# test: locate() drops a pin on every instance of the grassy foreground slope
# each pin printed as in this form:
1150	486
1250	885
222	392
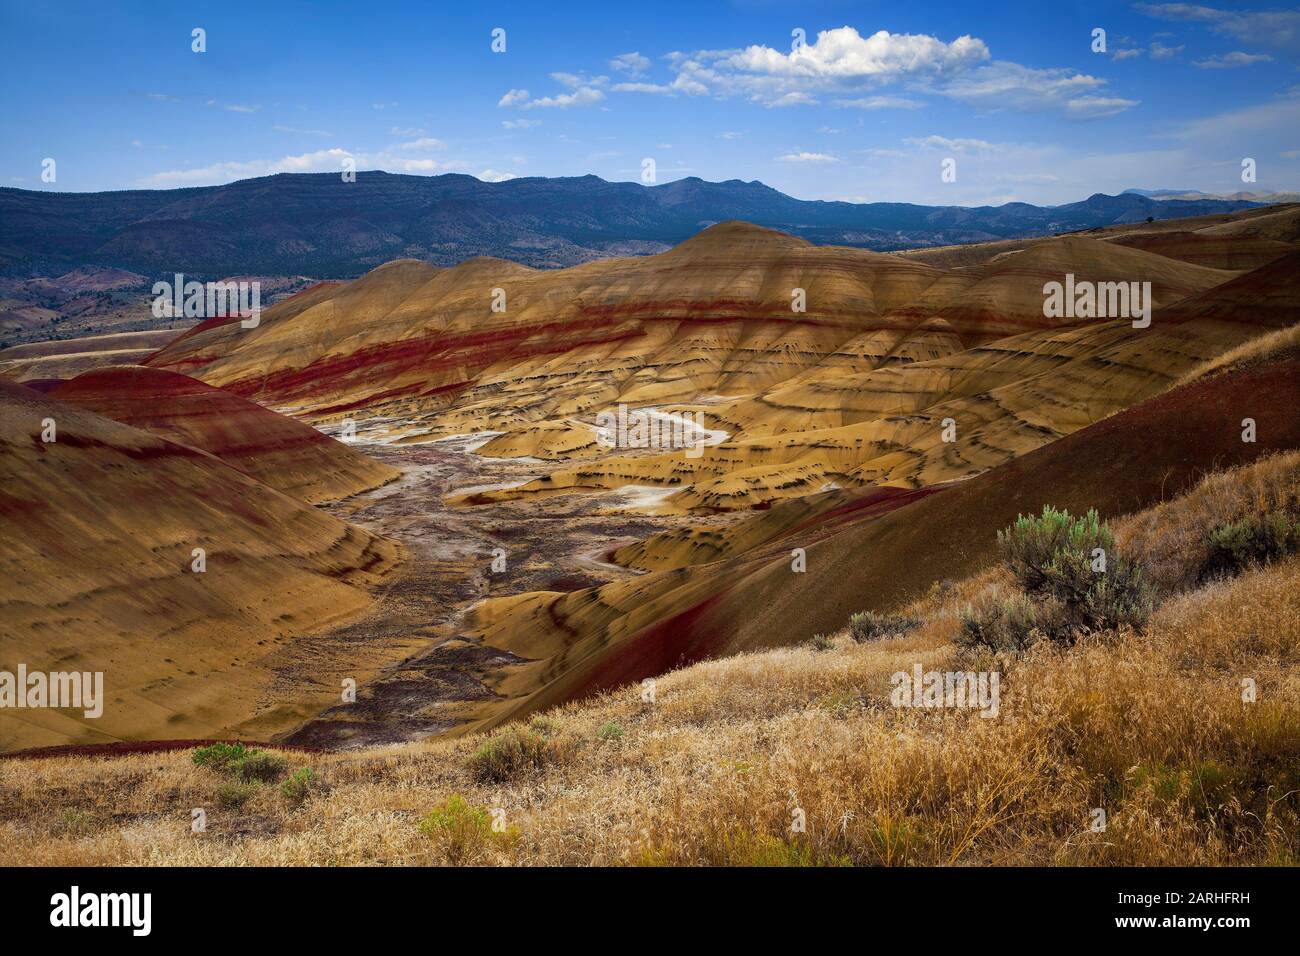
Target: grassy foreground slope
1150	727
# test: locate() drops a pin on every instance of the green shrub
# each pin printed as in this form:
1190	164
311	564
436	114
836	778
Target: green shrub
462	831
219	756
258	765
870	626
298	784
1255	539
1001	624
820	642
514	751
1052	558
609	731
240	762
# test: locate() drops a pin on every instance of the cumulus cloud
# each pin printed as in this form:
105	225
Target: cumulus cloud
852	69
1161	52
495	176
513	98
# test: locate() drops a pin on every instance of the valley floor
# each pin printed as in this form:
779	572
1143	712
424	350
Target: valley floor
456	556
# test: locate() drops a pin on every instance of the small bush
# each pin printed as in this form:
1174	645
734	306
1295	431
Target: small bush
258	765
609	731
240	762
233	794
1255	539
1001	624
298	785
1052	558
820	642
870	626
514	751
463	831
219	756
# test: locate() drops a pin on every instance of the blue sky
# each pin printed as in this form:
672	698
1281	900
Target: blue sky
867	110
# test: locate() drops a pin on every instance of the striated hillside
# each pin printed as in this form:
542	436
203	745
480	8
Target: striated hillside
279	451
98	574
853	391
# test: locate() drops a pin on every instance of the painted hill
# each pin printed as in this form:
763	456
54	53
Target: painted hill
869	554
279	451
97	574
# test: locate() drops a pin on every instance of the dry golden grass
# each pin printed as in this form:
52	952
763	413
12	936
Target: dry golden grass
1150	727
1171	539
1258	349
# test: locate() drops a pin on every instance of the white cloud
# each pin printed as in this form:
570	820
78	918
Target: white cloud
583	96
806	157
242	108
1097	107
319	161
513	98
494	176
633	64
1161	52
845	53
881	103
950	145
1232	61
298	131
1277	29
1127	54
730	134
793	98
853	69
424	142
520	123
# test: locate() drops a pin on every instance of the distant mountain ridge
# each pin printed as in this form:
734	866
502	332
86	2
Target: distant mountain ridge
316	224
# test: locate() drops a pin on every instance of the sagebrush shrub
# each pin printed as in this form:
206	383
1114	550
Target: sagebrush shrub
1255	539
870	626
1073	561
1002	624
514	751
463	831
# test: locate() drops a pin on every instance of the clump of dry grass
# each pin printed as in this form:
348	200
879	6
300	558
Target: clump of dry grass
796	757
